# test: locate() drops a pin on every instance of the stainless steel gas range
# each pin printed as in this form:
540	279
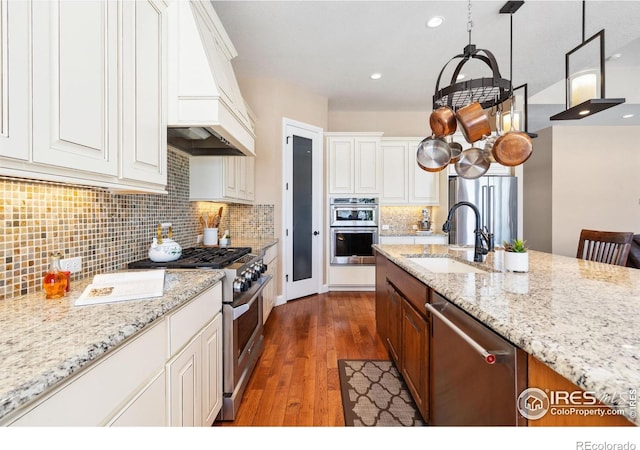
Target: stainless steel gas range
242	327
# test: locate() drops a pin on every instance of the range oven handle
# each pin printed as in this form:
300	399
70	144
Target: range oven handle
489	358
243	308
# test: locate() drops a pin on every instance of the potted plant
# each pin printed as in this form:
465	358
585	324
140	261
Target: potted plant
516	258
226	239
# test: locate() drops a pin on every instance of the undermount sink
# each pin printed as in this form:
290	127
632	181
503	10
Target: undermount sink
446	265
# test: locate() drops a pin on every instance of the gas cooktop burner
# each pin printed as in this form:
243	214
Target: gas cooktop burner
197	257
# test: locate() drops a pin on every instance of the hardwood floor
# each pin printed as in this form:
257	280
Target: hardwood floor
296	380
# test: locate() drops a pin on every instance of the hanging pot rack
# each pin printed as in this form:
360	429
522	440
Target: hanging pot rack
488	91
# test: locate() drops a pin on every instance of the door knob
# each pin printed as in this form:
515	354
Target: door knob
315	233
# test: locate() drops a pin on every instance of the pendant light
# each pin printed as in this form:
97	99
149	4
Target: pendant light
582	84
488	91
516	119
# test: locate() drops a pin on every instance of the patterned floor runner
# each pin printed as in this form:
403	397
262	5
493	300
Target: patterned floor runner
374	395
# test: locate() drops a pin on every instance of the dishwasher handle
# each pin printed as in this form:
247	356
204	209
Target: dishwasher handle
489	357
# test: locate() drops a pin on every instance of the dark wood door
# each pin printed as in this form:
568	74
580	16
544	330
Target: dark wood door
415	356
394	337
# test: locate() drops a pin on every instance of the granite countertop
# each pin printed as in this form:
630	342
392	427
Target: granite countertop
387	233
44	341
578	317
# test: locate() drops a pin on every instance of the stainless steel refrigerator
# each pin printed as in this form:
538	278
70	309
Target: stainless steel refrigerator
497	200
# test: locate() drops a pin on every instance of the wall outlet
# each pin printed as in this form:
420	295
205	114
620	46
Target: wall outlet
199	239
385	227
72	265
414	227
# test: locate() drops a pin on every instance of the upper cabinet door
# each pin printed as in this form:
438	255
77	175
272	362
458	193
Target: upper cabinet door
368	171
144	93
14	86
341	156
75	83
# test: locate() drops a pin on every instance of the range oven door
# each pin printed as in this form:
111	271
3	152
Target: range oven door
242	346
352	245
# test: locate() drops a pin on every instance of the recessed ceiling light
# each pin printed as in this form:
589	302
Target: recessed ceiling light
627	116
376	76
435	21
584	112
614	56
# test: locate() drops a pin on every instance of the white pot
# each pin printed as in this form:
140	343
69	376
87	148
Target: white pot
516	262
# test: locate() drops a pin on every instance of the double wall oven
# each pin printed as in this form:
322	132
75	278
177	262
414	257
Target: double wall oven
354	229
242	326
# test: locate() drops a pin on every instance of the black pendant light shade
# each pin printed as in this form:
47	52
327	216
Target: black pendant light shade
578	104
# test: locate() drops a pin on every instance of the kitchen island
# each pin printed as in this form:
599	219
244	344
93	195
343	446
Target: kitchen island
578	318
45	343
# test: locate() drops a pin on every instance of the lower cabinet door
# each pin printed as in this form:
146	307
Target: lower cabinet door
184	380
146	410
394	330
415	356
212	370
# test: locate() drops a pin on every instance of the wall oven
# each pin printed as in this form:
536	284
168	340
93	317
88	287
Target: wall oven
354	229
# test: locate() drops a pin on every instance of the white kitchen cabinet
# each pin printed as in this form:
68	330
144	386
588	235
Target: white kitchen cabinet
211	370
222	178
194	372
147	409
94	88
185	380
270	291
403	181
15	26
354	163
169	374
143	155
92	397
75	85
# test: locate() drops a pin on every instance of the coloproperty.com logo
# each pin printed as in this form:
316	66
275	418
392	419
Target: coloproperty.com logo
534	403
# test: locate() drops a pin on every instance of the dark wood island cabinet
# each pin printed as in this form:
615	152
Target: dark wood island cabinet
401	322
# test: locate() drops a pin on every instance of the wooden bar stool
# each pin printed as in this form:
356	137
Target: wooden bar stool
609	247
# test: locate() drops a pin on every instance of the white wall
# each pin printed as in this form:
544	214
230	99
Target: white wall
270	100
595	183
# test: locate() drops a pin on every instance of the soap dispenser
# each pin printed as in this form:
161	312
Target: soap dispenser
55	280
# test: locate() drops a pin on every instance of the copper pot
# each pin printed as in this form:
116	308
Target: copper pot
443	122
433	154
474	122
512	148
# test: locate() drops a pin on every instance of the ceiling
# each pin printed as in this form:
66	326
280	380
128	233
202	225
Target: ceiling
332	47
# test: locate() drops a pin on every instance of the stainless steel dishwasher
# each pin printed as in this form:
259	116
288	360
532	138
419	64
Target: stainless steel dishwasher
476	375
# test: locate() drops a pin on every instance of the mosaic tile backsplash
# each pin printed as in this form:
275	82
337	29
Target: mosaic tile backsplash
106	230
401	219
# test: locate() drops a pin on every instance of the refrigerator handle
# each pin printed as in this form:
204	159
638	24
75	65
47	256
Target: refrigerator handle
485	206
490	209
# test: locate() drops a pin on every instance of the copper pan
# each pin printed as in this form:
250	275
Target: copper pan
512	148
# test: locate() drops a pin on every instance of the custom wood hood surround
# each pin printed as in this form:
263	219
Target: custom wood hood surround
207	114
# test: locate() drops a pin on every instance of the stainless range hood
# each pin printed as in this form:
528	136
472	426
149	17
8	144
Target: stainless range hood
200	141
206	112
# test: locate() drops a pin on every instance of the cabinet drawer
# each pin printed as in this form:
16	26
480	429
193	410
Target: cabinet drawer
186	322
93	396
411	288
